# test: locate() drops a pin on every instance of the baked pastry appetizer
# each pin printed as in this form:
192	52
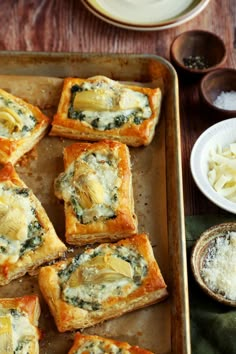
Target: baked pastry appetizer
102	283
100	108
18	325
97	189
27	237
85	343
22	125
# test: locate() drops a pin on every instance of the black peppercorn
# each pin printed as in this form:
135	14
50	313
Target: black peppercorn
196	62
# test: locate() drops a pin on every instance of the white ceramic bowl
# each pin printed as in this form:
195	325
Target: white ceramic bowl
222	133
146	15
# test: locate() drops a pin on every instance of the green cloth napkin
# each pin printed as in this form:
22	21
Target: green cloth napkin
213	325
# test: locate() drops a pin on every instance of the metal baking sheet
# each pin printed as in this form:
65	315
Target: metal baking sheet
157	180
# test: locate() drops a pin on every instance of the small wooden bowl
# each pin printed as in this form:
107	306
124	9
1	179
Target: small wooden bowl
214	83
198	43
199	253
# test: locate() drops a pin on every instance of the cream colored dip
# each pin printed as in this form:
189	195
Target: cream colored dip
143	12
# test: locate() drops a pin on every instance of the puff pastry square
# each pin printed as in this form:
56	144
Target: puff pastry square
102	283
22	125
18	325
27	237
100	108
97	189
85	343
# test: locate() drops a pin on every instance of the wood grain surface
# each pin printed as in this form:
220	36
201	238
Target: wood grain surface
60	25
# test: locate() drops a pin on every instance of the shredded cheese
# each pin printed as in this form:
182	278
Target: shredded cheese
222	171
219	268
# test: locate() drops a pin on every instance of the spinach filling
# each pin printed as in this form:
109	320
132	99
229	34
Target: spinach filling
118	120
77	208
81	299
34	237
89	306
72	113
65	274
31	243
23	342
77	115
76	88
79	213
21	346
65	183
62	183
32	234
15	313
5	244
33	119
138	120
22	191
136	260
11	104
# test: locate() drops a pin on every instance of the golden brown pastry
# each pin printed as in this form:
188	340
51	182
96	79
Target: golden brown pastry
102	283
85	343
100	108
97	189
22	125
27	237
18	325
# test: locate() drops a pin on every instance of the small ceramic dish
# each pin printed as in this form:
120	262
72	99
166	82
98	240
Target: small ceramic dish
217	83
220	134
210	269
198	51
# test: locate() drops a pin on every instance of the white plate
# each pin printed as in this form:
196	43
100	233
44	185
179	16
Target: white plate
146	15
222	133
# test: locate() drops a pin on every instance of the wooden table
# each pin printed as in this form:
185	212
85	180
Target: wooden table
33	25
66	26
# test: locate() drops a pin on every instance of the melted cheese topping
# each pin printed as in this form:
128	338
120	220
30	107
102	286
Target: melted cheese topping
106	106
19	334
99	347
17	218
16	120
90	185
95	276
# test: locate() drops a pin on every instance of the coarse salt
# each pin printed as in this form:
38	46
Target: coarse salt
226	100
219	268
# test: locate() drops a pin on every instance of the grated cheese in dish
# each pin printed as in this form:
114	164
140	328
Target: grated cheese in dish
219	268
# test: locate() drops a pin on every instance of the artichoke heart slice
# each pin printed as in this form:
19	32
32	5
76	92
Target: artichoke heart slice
88	188
10	119
108	100
82	168
101	269
119	265
6	336
3	209
13	224
94	100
